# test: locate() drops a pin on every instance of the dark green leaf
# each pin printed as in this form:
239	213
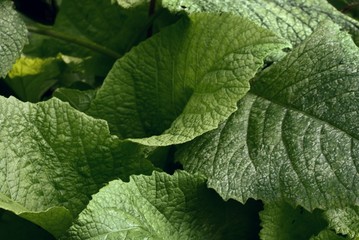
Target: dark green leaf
283	222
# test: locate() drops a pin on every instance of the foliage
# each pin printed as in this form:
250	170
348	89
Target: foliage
180	120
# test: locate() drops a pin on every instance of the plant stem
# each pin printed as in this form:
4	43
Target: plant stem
48	31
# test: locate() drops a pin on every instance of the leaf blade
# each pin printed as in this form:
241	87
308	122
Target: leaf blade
162	206
55	157
294	20
13	36
185	80
286	145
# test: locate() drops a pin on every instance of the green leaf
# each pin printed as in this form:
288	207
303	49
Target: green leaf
283	222
80	100
294	20
328	235
185	80
30	78
103	22
12	36
55	219
162	206
344	221
54	157
295	136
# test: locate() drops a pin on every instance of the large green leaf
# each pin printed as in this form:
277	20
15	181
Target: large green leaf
185	80
162	206
53	158
12	36
280	221
295	136
293	19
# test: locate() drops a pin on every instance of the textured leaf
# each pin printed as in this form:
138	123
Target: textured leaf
328	235
294	19
185	80
80	100
283	222
12	36
54	157
30	78
295	136
344	221
162	206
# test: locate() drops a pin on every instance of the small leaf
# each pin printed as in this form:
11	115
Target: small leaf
162	206
30	78
295	136
53	158
185	80
13	36
81	100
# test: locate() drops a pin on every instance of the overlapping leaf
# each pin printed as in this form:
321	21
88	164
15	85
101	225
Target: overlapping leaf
162	206
53	158
81	100
295	135
30	78
185	80
12	36
283	222
293	20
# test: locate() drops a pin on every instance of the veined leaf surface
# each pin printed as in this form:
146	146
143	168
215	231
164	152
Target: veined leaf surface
185	80
53	158
292	19
12	36
162	206
295	136
344	221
